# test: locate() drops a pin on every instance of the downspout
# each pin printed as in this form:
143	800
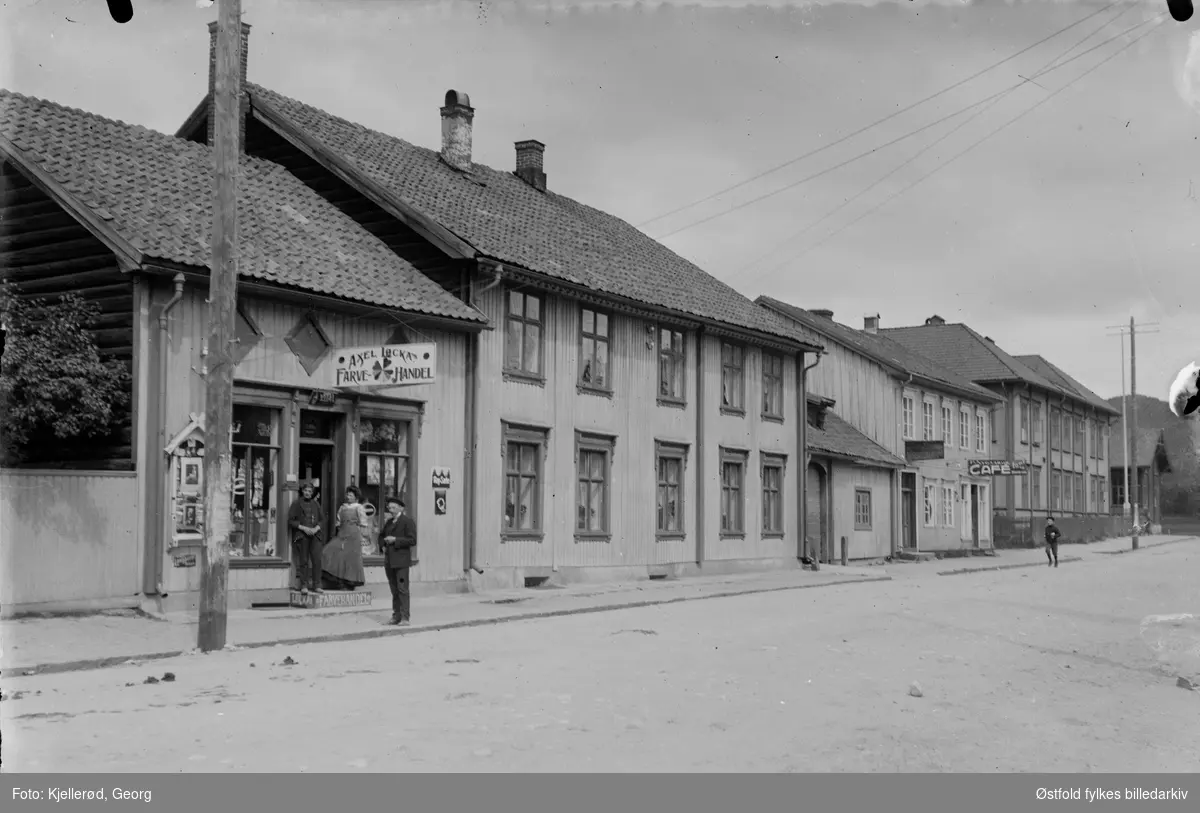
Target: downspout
1029	477
470	453
805	455
915	525
160	490
701	449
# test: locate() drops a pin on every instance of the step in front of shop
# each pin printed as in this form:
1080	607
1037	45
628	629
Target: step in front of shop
331	598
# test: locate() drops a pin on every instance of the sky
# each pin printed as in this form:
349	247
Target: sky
1049	206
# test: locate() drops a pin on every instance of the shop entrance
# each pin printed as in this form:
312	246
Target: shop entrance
315	461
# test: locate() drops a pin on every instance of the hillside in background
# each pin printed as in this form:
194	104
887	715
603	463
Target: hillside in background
1181	487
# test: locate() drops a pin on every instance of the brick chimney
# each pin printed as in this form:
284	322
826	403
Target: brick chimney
935	320
529	164
212	81
871	324
823	313
457	116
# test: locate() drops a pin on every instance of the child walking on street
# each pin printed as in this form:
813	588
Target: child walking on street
1052	535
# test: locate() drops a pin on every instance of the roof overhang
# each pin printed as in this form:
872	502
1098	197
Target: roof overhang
301	298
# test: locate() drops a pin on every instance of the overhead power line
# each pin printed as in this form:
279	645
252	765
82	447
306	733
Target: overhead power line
883	120
1053	64
990	135
897	140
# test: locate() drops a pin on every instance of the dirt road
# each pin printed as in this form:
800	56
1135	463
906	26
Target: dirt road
1023	670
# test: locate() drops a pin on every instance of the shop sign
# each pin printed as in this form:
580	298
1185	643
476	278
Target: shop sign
997	468
441	477
387	365
439	501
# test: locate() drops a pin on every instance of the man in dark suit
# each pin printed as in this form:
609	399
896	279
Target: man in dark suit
398	539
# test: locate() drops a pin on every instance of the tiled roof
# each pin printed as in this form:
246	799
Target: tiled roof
155	192
883	350
504	218
1148	444
963	350
1042	367
842	440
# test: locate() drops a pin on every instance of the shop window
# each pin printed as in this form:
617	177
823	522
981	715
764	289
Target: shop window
255	463
383	470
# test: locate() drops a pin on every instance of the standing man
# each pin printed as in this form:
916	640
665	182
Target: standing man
306	520
1052	535
398	539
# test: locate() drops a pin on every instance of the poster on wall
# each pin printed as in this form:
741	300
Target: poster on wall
385	365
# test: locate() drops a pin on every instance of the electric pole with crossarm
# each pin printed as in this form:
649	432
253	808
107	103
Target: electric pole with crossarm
1130	423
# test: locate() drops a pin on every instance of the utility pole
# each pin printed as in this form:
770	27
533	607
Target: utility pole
222	310
1131	434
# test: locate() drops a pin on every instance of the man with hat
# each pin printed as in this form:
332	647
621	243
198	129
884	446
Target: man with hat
398	539
306	520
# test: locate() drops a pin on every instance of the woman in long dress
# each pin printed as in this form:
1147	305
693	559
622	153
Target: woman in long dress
342	557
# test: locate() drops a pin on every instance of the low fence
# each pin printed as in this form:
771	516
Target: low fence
1022	532
67	538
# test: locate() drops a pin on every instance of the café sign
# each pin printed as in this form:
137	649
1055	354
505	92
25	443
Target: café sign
385	365
997	468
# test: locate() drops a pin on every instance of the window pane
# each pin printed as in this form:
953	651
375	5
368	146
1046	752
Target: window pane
602	324
516	303
254	424
598	461
528	453
512	346
379	435
587	356
596	507
533	349
512	488
601	369
527	503
589	321
673	467
581	498
533	308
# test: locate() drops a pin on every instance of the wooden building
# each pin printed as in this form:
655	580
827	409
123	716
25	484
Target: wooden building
600	407
931	423
1050	430
1152	463
123	215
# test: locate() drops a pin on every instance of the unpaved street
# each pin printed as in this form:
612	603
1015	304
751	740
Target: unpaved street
1021	670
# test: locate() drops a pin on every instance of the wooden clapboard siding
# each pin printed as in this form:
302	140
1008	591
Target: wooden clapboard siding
754	435
634	417
46	253
271	364
873	543
67	537
865	392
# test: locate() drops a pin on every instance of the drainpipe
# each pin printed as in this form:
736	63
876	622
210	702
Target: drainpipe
915	524
804	453
160	489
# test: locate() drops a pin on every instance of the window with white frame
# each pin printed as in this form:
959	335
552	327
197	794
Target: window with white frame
1037	421
980	432
772	386
1036	477
1081	425
862	509
1079	503
594	350
524	335
1068	434
672	361
593	473
947	424
524	453
733	492
927	420
733	378
964	428
671	462
772	495
948	506
930	505
1024	420
909	417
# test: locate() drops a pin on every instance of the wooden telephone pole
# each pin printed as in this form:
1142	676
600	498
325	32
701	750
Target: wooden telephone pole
222	310
1131	446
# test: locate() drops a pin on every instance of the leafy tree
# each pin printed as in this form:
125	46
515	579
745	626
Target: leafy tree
54	386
